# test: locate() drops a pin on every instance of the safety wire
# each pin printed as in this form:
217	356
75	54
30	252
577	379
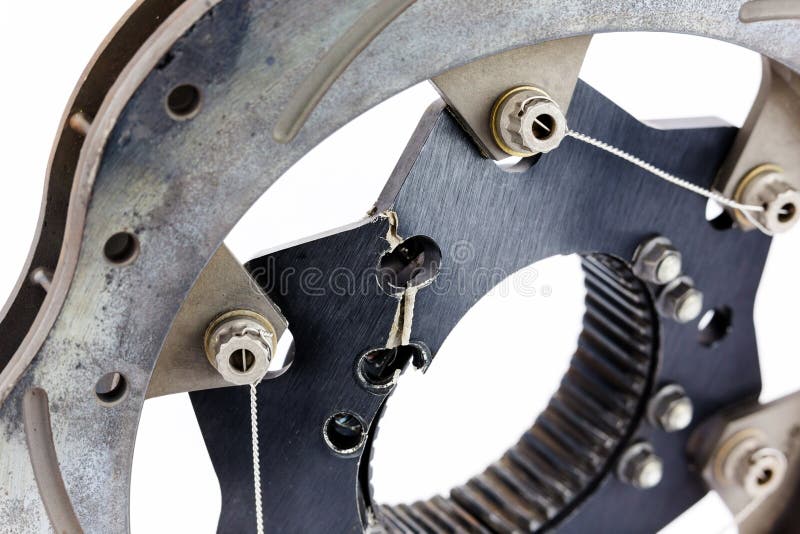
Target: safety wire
256	457
671	178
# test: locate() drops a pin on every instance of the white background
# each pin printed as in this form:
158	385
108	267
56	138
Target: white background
45	46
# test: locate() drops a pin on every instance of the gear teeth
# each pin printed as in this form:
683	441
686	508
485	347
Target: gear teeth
574	441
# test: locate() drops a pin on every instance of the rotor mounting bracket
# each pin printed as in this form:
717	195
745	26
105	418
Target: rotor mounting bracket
470	91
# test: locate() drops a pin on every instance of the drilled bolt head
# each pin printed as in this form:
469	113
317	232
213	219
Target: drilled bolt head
769	187
240	346
756	468
670	408
526	121
657	261
640	467
680	301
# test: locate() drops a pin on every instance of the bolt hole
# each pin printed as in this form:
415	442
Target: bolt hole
544	126
377	369
183	102
717	217
242	360
764	477
121	248
344	433
111	388
714	326
786	213
413	263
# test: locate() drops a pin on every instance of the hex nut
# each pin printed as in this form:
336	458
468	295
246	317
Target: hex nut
657	261
670	408
640	467
526	121
680	301
240	345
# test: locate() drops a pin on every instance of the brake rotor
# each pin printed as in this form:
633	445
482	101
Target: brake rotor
192	110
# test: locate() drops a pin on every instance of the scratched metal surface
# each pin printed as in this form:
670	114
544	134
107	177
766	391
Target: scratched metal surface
575	200
182	186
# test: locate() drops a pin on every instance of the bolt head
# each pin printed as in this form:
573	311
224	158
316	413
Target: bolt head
657	261
669	268
650	473
680	301
640	466
781	201
526	122
240	346
689	307
670	408
677	415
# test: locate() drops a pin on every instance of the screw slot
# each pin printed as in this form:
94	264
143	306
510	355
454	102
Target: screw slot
183	102
344	433
111	388
121	248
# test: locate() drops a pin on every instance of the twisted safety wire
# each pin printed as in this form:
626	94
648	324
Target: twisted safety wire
256	458
664	175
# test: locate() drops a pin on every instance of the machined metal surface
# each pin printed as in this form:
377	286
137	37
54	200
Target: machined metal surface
138	171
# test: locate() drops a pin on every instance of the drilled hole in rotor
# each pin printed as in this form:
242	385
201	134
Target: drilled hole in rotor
121	248
241	360
787	213
544	126
714	326
344	433
111	388
183	101
413	263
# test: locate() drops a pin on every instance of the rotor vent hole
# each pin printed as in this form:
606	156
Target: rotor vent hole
242	360
714	326
344	433
183	102
544	126
111	388
121	248
413	263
